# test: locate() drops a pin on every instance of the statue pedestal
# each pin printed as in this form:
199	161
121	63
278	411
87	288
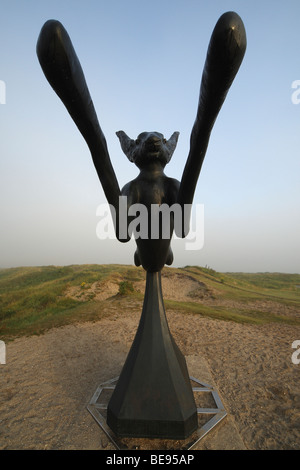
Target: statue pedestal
210	411
153	397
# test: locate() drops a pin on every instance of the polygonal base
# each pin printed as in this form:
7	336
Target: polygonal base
156	429
204	395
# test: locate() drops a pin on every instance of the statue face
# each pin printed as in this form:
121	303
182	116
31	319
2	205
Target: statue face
148	147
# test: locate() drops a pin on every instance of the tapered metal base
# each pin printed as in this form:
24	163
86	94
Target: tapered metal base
210	411
153	397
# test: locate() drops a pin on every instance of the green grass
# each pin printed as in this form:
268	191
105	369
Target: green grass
126	287
32	299
230	314
248	286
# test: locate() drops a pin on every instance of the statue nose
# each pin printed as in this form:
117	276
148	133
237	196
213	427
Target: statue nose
153	140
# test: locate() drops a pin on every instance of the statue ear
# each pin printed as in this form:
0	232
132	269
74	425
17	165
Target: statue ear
127	144
171	144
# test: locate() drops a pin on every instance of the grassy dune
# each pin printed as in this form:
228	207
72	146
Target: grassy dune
33	299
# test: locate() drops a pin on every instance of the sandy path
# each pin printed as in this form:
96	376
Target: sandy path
48	380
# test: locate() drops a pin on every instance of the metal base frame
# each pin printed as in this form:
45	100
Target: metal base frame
98	407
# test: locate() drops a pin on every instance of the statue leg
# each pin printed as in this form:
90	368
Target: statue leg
170	257
137	259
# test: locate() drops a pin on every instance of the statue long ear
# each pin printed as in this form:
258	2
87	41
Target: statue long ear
171	144
63	71
127	144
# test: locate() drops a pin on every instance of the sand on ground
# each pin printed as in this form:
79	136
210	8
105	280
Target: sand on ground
48	380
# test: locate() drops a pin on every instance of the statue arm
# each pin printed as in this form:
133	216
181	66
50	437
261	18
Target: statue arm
62	69
224	57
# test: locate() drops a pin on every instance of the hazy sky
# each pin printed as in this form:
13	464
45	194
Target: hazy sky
143	62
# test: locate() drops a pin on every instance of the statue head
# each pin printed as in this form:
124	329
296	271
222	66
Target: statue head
148	147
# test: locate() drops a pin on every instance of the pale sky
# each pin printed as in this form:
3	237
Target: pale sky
143	63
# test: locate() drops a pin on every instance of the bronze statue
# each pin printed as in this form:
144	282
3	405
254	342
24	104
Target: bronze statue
153	396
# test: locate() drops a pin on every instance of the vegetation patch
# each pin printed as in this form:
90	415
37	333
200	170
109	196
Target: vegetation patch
34	299
126	288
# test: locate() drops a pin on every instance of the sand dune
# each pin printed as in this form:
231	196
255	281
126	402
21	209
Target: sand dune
49	379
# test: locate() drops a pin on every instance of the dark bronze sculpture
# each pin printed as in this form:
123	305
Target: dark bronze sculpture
153	396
